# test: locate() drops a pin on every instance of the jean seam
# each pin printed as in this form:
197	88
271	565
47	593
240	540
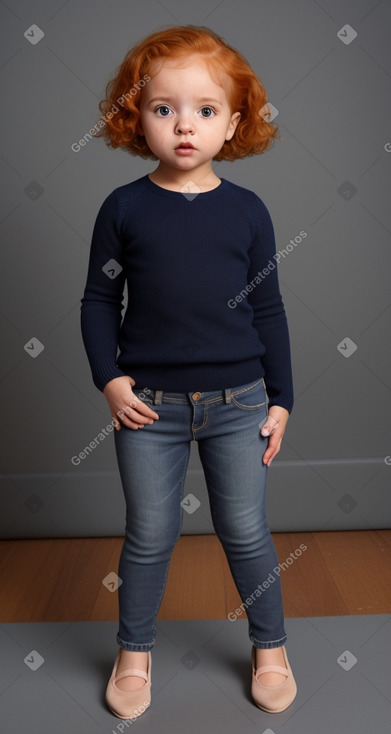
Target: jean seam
249	387
248	407
282	639
136	644
194	430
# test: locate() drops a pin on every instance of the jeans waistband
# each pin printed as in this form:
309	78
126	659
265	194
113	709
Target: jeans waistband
156	396
225	394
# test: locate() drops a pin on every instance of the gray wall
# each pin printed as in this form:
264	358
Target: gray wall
329	177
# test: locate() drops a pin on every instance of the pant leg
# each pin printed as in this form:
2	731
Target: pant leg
231	449
152	462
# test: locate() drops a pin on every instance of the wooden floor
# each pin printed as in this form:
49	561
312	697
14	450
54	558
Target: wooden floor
55	580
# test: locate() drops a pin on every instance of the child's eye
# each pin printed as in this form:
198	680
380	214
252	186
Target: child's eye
207	108
162	107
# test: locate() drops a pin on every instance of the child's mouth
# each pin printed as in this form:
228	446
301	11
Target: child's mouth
184	150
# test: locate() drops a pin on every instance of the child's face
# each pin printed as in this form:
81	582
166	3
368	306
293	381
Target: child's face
183	104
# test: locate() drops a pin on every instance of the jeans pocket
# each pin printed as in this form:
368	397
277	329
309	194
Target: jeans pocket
251	397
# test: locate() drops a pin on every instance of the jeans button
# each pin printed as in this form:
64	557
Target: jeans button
196	395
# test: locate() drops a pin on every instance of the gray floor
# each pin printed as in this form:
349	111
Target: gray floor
53	678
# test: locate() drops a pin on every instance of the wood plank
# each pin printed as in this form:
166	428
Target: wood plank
308	586
194	587
360	567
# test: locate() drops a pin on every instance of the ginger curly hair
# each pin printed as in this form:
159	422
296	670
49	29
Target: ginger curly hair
119	124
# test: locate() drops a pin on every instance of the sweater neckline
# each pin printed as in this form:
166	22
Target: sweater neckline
178	194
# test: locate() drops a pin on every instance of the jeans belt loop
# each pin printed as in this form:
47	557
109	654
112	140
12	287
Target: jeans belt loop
227	395
158	397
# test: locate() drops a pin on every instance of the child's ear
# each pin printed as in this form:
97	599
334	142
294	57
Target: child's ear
233	125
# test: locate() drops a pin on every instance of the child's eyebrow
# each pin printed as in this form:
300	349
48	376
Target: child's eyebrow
203	99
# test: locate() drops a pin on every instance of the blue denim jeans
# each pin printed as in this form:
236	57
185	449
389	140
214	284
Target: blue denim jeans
152	463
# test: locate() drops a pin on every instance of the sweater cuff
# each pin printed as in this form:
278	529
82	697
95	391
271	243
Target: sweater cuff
283	400
103	373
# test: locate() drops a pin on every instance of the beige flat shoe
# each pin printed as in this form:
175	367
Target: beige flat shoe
273	699
129	704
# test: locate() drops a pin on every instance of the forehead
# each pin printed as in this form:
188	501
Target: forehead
171	71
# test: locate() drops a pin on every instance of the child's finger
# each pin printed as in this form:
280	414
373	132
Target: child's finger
270	426
143	408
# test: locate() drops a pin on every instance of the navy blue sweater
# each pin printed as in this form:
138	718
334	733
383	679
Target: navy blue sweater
204	308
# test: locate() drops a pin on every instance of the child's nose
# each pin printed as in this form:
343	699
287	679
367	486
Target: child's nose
185	125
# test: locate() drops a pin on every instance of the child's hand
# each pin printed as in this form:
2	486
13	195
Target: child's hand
125	406
275	428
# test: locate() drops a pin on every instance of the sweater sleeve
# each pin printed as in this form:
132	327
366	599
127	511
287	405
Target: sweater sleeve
269	312
102	302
